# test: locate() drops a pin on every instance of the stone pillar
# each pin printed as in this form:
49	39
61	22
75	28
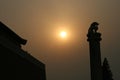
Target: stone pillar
94	39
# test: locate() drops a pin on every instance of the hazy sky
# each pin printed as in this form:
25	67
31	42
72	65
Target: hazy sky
39	21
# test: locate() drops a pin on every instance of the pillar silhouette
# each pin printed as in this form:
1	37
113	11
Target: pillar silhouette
94	39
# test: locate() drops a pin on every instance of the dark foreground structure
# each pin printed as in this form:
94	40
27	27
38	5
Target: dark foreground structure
99	71
15	63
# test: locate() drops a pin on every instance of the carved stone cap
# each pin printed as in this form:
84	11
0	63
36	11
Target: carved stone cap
94	37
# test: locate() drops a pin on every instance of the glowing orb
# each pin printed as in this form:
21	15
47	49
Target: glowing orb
63	34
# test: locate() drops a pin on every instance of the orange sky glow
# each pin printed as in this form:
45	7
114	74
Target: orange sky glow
41	22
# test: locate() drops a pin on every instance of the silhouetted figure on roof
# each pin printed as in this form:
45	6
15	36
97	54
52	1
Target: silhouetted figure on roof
107	74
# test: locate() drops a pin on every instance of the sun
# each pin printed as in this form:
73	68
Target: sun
63	34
